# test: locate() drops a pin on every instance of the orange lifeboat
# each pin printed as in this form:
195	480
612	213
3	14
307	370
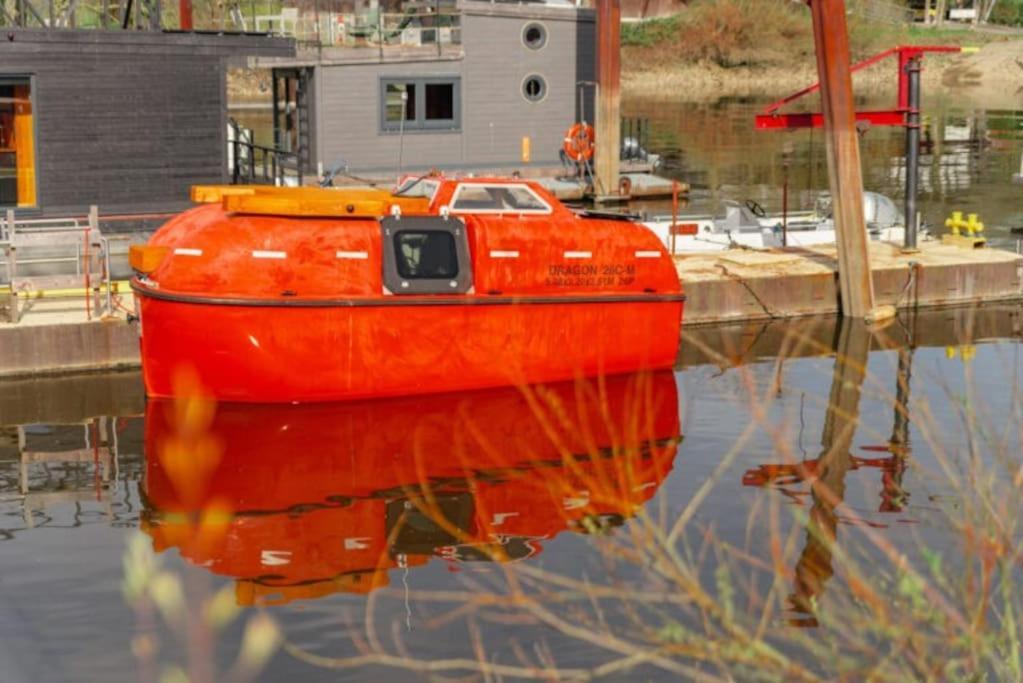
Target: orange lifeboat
310	294
299	501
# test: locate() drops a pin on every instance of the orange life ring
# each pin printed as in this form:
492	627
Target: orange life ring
578	144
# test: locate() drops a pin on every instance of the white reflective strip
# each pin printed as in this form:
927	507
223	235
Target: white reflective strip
499	517
353	254
269	254
582	500
503	254
188	252
274	558
648	254
578	254
357	543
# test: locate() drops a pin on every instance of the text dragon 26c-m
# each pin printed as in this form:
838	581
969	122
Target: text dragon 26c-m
310	294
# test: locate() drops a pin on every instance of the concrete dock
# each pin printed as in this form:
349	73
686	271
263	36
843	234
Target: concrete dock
744	284
735	286
54	337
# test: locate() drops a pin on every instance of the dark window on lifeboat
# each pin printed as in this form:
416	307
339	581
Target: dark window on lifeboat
410	104
425	255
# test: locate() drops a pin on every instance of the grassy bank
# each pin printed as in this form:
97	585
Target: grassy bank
722	48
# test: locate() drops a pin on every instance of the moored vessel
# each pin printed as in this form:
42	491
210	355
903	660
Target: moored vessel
310	294
749	226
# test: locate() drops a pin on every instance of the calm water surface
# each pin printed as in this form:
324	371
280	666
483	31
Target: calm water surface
405	528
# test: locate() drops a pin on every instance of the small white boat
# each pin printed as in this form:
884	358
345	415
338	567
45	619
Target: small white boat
748	225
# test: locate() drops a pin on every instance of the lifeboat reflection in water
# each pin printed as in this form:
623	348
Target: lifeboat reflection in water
307	500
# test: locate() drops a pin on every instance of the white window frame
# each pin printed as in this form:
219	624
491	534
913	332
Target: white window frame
425	182
546	35
420	124
546	211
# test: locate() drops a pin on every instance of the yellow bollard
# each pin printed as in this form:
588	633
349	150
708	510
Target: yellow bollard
955	222
965	351
972	226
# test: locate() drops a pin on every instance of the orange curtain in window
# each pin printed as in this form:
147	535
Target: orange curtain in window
24	146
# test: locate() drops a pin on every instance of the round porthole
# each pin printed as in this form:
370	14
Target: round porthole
534	35
534	88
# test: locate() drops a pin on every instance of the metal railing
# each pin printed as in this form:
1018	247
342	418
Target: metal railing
411	29
143	15
55	238
40	484
252	164
329	23
635	139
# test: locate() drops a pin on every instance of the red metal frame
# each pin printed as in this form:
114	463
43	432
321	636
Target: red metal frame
771	118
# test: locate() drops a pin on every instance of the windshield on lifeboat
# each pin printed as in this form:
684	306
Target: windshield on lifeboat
497	198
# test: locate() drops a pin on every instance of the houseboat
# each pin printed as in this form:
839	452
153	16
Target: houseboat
444	284
459	86
300	501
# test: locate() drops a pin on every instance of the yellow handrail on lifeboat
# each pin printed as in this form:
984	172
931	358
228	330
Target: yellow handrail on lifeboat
356	202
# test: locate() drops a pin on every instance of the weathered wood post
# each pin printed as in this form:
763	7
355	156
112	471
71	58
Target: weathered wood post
831	37
608	131
912	68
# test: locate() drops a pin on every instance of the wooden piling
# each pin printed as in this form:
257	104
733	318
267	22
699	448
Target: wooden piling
608	131
831	38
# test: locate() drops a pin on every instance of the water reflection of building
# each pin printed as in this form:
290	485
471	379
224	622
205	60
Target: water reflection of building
950	160
302	501
63	446
62	464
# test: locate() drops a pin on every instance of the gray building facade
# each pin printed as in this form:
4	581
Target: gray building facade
508	91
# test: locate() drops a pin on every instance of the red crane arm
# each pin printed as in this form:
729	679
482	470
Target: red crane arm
770	118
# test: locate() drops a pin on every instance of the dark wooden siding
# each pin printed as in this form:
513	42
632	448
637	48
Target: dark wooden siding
128	121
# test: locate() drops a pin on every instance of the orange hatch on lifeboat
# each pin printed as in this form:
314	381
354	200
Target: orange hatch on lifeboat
299	501
315	294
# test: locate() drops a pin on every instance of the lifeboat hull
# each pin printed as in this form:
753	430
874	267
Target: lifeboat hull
307	294
324	352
